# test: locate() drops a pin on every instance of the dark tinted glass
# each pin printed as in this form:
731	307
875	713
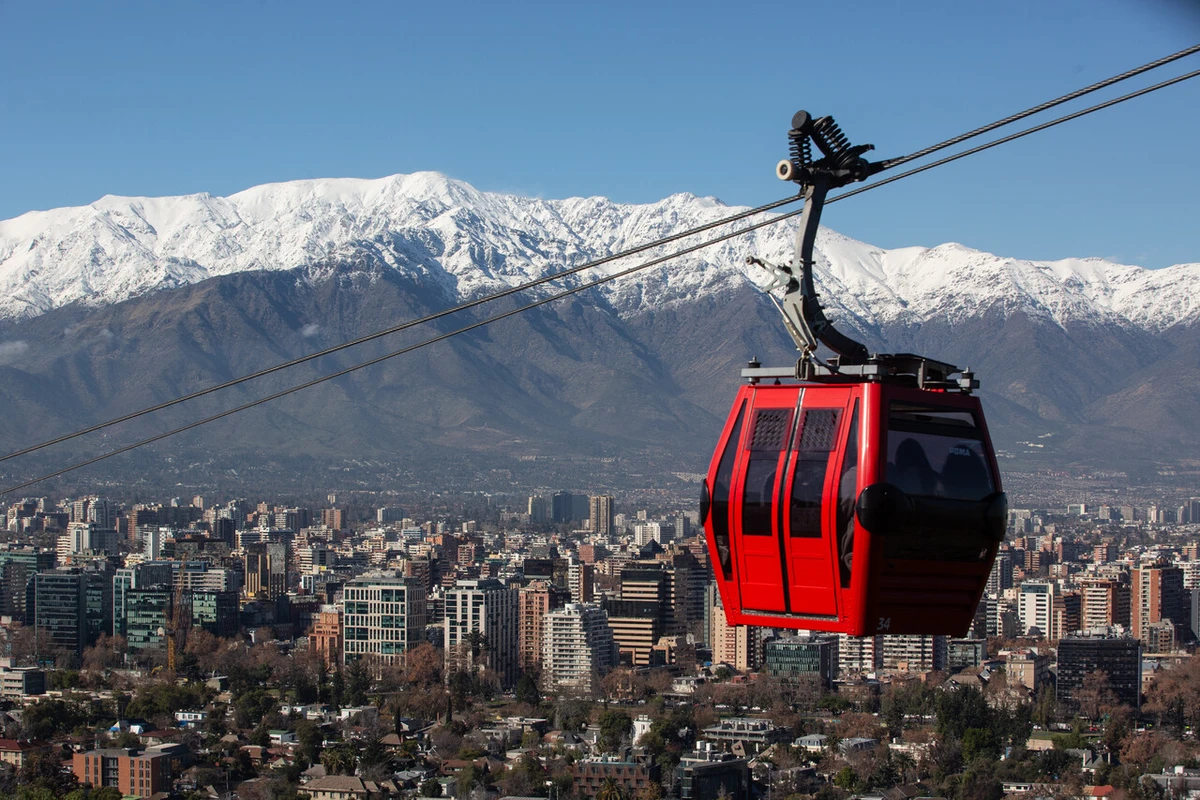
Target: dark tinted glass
818	429
719	518
937	453
769	437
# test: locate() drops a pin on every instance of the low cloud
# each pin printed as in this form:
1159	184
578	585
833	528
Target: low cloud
310	330
12	349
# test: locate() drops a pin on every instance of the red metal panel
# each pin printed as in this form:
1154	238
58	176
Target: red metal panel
756	495
812	560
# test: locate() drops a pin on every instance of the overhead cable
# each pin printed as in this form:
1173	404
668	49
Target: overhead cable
598	281
1066	98
889	163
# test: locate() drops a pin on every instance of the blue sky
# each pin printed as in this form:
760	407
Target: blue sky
633	101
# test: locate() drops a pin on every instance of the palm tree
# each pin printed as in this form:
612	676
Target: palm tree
610	790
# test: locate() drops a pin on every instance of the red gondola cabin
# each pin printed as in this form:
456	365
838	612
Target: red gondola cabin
857	508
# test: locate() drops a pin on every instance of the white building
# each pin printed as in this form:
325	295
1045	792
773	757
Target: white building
1035	607
577	647
859	654
644	532
492	609
383	616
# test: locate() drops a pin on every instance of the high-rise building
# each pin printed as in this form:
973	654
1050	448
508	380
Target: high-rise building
266	570
539	510
1120	659
964	653
147	575
581	580
1192	598
489	609
600	514
798	656
914	653
214	611
1066	617
326	636
1002	619
647	531
739	646
60	610
578	648
1104	603
333	518
636	627
651	582
1035	607
383	617
859	654
224	529
1000	578
17	566
147	615
1157	594
563	507
139	518
103	512
534	602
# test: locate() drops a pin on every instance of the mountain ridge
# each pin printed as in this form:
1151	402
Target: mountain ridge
1083	362
475	242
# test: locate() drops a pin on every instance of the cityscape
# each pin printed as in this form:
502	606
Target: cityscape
476	401
573	645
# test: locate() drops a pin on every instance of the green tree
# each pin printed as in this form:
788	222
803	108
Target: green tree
980	743
614	727
358	683
467	779
308	738
527	690
45	771
431	788
846	778
251	707
610	790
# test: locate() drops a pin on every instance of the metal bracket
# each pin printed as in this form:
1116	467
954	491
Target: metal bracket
841	164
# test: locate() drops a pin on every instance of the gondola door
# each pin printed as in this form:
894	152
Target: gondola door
759	548
810	508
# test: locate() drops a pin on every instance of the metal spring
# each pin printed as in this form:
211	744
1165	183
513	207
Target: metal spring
801	150
829	136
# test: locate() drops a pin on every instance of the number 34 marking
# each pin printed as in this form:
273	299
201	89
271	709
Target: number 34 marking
885	624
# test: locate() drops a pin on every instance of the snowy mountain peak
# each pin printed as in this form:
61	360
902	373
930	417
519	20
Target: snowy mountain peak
473	242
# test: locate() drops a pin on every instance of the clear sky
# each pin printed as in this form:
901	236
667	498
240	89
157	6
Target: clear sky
633	101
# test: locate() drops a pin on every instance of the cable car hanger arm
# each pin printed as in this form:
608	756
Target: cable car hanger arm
840	164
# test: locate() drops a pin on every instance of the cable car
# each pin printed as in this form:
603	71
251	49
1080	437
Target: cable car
862	495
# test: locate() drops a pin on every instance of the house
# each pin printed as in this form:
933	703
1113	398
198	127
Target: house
856	744
813	743
190	719
344	787
15	752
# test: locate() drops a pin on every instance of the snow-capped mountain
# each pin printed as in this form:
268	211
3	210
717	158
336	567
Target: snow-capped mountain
127	302
471	243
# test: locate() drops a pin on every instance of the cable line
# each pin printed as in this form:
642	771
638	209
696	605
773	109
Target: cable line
574	290
895	162
889	163
395	353
1011	137
404	326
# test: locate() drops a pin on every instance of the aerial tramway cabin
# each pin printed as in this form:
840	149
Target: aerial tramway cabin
859	508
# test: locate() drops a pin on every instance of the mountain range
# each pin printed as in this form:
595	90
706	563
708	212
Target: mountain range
127	302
